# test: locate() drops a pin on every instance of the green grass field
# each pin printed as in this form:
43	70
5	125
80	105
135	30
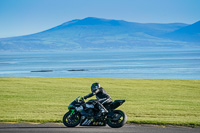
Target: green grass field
155	101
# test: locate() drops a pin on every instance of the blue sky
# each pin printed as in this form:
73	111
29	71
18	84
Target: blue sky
21	17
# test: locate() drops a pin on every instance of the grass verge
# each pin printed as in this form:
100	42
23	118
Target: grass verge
148	101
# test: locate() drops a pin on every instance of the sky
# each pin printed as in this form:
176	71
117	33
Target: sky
23	17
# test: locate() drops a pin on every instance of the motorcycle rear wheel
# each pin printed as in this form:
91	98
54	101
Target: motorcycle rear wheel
71	120
117	120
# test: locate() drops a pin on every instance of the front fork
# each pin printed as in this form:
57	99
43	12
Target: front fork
70	117
72	111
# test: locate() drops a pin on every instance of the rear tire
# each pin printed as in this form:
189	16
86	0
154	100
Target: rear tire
116	122
71	120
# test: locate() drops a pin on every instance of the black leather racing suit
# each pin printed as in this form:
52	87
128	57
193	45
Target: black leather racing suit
102	97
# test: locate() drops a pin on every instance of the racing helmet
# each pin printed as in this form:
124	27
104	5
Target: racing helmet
95	86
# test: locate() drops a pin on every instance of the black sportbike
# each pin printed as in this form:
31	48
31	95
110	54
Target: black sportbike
85	114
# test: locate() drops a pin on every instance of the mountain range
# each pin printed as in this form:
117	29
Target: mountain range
97	33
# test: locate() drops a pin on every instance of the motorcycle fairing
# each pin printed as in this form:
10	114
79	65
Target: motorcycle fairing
92	122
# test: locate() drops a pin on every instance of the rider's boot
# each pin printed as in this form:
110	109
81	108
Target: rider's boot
103	111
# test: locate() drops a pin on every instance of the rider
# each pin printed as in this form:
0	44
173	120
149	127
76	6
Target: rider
102	98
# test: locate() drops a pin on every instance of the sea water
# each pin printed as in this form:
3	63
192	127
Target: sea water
103	64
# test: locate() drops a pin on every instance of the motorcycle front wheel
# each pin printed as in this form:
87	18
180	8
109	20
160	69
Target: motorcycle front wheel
71	119
117	120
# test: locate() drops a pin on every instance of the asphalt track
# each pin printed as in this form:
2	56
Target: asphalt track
59	128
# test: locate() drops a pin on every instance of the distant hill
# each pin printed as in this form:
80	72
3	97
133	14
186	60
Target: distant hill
189	33
96	33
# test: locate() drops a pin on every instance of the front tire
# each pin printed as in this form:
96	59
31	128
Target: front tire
71	119
117	120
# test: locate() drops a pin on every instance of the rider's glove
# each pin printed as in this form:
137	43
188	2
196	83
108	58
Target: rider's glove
82	98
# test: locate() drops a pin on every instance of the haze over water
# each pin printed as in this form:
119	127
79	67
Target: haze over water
103	64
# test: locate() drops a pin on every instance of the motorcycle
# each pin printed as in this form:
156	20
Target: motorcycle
86	114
